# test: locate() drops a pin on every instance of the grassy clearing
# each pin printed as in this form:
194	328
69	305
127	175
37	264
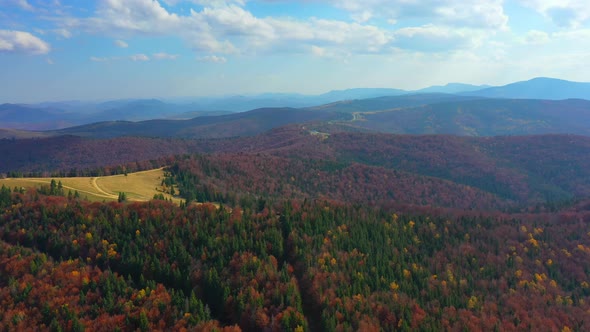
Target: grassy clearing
140	186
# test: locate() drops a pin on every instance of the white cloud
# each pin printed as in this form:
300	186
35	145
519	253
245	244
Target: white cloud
139	57
229	29
23	4
318	51
430	38
22	42
120	43
99	59
487	14
563	13
535	37
50	62
212	58
165	56
65	33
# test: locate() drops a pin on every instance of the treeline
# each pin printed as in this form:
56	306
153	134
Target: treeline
264	264
130	167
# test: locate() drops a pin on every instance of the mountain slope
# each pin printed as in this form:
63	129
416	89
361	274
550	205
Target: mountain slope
484	117
452	88
236	124
389	102
537	88
523	169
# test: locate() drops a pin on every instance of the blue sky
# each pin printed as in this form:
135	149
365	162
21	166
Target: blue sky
108	49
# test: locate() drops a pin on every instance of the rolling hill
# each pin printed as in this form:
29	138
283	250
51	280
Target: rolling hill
521	169
537	88
483	117
236	124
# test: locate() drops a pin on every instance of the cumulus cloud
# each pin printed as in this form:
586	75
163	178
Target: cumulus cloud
486	14
431	38
563	13
212	58
165	56
139	57
120	43
227	27
22	42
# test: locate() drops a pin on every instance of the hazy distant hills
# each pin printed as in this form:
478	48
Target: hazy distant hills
452	88
521	108
390	102
483	117
437	114
537	88
230	125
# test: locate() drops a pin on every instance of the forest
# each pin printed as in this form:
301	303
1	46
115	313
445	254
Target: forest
262	259
299	229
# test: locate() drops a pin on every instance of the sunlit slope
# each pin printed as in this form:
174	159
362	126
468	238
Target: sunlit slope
140	186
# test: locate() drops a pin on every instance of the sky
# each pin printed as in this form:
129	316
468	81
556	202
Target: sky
54	50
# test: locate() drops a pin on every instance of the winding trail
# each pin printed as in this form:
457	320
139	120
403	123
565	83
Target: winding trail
99	189
102	193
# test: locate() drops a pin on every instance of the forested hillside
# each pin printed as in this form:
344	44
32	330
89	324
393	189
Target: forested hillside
266	264
302	230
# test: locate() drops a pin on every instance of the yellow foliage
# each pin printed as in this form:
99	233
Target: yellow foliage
394	286
333	261
518	273
88	236
472	302
411	224
532	241
549	262
407	274
141	294
137	232
75	274
553	284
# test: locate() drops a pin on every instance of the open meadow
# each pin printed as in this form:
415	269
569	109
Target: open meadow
140	186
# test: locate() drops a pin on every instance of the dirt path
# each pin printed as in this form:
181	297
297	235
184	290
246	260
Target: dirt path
104	193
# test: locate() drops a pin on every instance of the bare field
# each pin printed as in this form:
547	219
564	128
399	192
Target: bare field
140	186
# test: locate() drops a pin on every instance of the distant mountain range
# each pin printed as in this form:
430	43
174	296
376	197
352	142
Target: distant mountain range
407	114
459	99
222	126
537	88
